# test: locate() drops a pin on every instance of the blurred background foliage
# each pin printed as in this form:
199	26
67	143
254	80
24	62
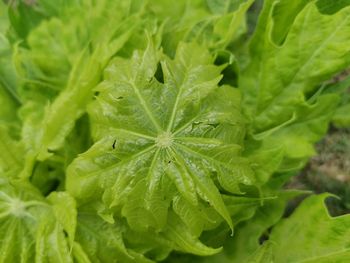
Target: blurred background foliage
329	170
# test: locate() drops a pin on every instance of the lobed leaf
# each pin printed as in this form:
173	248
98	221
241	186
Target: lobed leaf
157	141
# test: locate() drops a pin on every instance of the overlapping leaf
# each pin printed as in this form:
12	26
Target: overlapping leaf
32	228
12	152
215	24
294	49
341	117
64	61
100	241
11	159
304	244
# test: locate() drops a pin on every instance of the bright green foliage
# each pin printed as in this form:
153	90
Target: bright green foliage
162	144
329	244
341	117
281	79
149	131
32	228
73	62
215	23
10	163
163	135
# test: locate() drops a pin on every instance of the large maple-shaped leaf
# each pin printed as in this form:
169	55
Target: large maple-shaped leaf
163	128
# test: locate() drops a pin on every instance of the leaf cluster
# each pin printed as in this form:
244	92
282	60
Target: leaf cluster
149	131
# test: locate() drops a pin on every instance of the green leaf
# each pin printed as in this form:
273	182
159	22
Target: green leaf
9	106
262	255
187	243
29	231
283	15
278	79
25	16
244	245
265	160
8	83
60	70
51	244
280	85
150	243
196	218
298	137
341	87
330	8
64	208
182	132
328	244
79	254
100	241
341	117
17	228
245	242
223	6
4	22
215	24
11	153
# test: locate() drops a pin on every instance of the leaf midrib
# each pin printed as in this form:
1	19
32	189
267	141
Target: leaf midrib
202	156
178	96
122	162
146	107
